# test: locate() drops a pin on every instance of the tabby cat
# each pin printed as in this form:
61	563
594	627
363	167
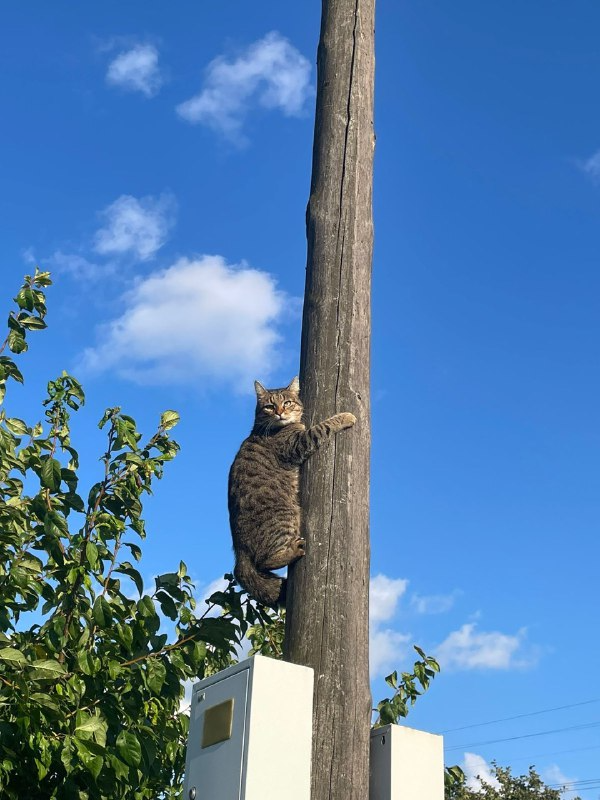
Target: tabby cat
264	509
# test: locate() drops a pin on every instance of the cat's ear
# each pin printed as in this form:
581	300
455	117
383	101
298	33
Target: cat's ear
260	389
294	385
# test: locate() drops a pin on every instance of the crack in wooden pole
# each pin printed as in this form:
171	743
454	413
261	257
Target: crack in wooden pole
327	606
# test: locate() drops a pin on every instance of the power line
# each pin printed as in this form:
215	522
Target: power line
520	716
525	736
577	786
554	753
569	785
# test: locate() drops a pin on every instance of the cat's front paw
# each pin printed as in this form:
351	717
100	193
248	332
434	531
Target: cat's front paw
346	419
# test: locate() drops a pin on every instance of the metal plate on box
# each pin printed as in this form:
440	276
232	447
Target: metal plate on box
218	722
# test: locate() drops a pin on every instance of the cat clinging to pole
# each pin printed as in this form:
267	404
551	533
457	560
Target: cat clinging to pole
264	507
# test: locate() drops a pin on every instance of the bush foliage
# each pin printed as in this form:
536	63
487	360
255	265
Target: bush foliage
91	685
506	786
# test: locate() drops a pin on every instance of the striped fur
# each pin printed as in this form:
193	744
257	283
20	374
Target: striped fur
264	510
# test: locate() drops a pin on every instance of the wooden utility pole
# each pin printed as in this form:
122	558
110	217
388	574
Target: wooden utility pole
327	625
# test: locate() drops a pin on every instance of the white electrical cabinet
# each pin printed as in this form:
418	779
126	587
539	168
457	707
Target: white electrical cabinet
406	764
251	733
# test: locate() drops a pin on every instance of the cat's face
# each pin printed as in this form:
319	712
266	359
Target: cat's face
278	407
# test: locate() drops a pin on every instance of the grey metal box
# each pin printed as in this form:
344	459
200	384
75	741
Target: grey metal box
406	764
268	751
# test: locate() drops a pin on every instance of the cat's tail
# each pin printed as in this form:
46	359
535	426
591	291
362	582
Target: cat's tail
262	585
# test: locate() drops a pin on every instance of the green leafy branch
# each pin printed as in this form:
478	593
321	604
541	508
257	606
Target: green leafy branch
406	690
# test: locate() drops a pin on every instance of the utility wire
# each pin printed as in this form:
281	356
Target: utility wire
520	716
572	784
577	786
554	753
525	736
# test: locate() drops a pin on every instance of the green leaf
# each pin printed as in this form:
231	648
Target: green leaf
156	673
91	553
42	278
167	580
167	605
45	700
47	668
134	575
392	680
89	726
85	662
16	426
129	748
168	419
146	607
93	763
32	323
8	368
136	551
50	474
25	298
101	612
55	524
16	342
12	656
121	769
114	668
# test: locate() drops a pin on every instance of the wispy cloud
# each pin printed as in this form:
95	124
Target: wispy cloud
468	648
271	73
138	228
555	777
433	603
199	319
77	266
28	256
477	772
136	70
592	166
133	230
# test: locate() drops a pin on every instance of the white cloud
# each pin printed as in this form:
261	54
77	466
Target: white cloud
383	597
135	227
136	70
555	777
478	771
271	72
386	646
468	648
200	318
433	603
386	649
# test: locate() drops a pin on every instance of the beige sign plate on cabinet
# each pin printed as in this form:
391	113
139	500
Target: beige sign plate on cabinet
218	723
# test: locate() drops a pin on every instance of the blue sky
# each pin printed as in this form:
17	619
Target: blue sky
157	160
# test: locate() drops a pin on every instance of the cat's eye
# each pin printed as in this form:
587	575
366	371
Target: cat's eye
287	403
269	407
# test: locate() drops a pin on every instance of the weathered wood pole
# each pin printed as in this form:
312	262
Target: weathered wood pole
328	592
